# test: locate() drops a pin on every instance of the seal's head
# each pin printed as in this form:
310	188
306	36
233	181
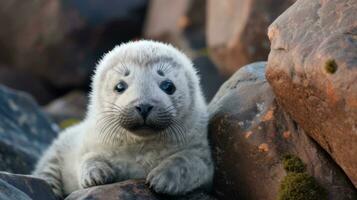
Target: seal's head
145	88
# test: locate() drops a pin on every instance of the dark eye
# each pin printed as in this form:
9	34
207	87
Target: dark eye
121	87
168	87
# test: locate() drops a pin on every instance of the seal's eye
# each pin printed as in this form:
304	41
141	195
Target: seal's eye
168	87
121	87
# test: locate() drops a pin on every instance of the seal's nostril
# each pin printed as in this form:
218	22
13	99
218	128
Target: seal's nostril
144	109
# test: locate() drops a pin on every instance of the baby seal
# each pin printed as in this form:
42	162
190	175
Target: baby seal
147	118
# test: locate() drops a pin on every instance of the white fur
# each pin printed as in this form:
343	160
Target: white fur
172	163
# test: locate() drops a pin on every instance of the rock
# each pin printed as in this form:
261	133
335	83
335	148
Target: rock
27	187
312	68
24	131
129	190
250	134
166	19
60	41
27	82
126	190
236	31
9	192
72	106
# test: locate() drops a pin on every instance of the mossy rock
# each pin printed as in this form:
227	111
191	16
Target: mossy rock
300	186
330	66
292	163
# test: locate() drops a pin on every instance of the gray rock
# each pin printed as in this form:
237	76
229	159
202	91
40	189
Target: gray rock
130	190
25	131
9	192
25	186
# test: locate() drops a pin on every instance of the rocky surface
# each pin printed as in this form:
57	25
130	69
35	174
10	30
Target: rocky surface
236	30
60	41
312	68
9	192
250	135
24	131
129	190
21	187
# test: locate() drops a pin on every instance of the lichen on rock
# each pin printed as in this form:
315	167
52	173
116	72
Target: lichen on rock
331	66
297	184
301	186
292	163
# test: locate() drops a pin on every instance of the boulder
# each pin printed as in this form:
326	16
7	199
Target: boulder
9	192
24	187
25	131
251	134
60	41
236	30
312	68
129	190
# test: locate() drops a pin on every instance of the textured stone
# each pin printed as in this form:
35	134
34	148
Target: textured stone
30	187
236	30
24	131
129	190
312	68
250	134
9	192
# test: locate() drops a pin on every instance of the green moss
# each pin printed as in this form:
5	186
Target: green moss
300	186
68	122
330	66
292	163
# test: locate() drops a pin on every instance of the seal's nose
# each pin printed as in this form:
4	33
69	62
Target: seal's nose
144	109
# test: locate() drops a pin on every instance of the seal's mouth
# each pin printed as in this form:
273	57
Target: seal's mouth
145	127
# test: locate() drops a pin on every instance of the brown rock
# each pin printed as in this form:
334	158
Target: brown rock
34	188
236	30
60	41
129	190
312	68
250	134
166	21
166	18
